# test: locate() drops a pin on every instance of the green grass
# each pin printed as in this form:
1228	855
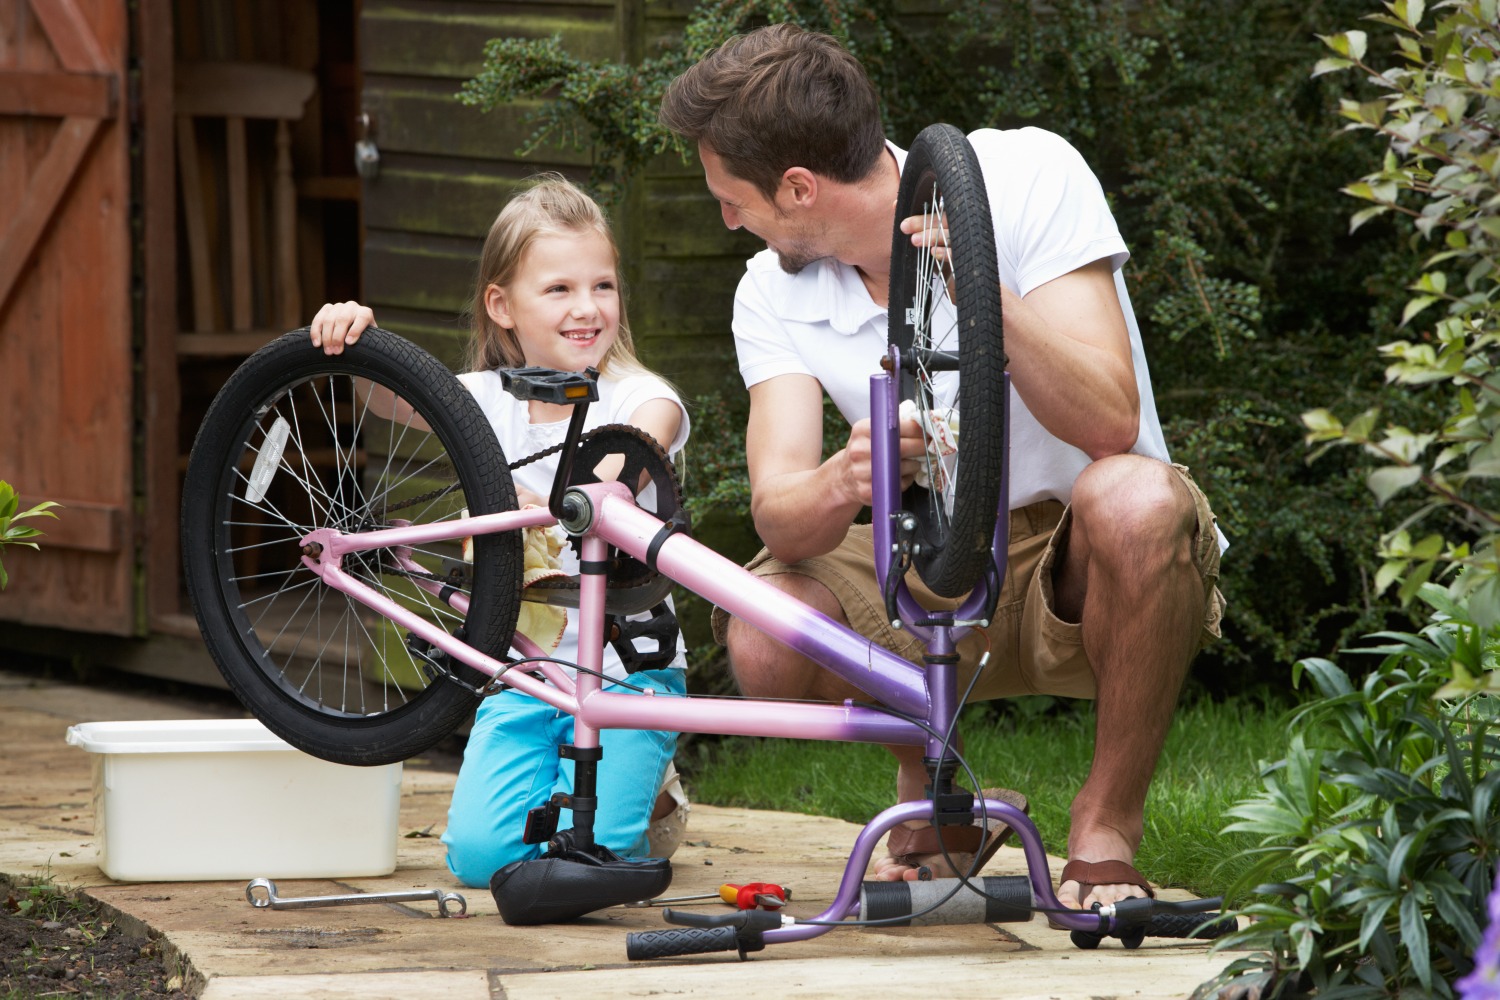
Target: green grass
1211	761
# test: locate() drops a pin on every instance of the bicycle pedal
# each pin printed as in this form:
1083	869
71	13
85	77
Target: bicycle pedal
551	386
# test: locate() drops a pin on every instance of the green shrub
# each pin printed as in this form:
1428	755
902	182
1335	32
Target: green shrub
1437	111
1384	811
1385	805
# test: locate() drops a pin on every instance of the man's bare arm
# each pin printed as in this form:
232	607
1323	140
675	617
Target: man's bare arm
1069	353
1070	360
803	505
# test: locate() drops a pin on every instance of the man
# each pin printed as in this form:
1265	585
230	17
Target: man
1114	554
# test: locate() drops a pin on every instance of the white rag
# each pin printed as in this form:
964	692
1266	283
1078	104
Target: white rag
941	433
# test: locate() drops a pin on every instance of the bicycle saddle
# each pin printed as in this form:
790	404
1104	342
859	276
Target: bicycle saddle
564	885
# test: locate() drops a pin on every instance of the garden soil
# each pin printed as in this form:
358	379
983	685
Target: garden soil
66	930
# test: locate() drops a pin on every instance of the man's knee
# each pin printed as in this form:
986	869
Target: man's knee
1130	499
761	666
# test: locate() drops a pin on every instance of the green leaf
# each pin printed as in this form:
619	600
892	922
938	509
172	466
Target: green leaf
1389	573
1415	306
1365	215
1357	42
1360	427
1484	603
1330	65
1414	938
1386	482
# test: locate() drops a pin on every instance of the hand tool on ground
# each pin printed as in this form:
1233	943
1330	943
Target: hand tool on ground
766	895
664	900
444	899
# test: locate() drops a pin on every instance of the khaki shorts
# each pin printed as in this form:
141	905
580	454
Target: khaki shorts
1032	650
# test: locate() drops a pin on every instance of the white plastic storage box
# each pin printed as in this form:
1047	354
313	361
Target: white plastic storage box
186	800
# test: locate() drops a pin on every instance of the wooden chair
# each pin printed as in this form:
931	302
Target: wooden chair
235	92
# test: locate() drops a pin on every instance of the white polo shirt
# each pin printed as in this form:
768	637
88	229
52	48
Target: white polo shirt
1050	217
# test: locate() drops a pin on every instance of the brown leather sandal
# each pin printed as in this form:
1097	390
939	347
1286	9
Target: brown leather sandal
1091	873
918	848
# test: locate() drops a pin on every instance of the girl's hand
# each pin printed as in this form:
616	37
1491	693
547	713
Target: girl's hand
526	498
339	324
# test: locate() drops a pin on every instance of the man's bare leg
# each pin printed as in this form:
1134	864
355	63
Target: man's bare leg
1128	575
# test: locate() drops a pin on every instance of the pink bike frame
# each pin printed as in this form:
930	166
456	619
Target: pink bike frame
918	693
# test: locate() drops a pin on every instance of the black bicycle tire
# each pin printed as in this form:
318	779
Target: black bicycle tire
951	559
460	426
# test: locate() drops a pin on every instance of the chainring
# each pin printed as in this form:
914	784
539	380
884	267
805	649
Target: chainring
632	585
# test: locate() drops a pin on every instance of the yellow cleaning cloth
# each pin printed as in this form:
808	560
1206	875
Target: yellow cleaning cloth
543	624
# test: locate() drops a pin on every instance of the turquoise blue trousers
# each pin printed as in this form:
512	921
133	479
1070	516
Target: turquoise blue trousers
511	766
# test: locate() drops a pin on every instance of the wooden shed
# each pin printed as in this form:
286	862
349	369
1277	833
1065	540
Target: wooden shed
178	185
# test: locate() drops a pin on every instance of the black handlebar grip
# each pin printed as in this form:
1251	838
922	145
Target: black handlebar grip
1186	925
680	941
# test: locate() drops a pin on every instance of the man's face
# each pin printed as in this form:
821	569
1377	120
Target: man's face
743	206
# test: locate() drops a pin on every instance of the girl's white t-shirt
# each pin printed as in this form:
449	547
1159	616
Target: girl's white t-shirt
619	398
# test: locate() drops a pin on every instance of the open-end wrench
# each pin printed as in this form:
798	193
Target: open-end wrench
410	895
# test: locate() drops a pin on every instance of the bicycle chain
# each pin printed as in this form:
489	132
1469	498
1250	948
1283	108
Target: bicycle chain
443	491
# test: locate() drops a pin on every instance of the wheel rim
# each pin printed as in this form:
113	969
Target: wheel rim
314	456
934	325
946	324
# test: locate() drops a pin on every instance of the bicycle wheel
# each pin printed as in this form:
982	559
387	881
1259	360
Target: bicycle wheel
297	440
945	323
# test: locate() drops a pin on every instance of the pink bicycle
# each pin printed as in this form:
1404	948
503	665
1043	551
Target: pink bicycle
326	510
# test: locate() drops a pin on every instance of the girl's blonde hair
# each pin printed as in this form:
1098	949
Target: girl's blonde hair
551	206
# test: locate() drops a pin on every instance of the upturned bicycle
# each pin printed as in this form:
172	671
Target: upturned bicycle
353	547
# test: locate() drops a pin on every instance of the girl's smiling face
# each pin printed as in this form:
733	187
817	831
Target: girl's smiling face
563	303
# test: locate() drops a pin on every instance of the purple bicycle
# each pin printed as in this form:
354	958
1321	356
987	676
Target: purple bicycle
328	507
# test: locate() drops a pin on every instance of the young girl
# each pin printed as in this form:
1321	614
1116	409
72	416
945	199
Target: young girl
548	295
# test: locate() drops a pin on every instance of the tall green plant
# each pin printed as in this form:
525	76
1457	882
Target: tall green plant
1385	807
1438	110
1381	821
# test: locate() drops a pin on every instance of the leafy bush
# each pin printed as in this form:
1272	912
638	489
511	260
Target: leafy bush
1214	146
1384	808
1438	111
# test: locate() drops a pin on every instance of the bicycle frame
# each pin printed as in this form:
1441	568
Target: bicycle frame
926	694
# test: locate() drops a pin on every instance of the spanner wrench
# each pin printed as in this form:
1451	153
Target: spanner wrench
410	895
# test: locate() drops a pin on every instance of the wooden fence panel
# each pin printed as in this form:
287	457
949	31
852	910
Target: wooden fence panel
67	390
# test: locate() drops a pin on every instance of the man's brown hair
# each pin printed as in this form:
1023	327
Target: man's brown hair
780	97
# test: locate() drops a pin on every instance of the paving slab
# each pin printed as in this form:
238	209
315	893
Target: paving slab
232	950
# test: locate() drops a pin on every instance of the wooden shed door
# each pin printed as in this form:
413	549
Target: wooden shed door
67	383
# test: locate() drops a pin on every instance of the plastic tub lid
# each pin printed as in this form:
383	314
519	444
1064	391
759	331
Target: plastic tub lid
175	736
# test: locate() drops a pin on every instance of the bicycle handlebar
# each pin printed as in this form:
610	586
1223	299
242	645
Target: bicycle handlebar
680	941
1133	920
737	931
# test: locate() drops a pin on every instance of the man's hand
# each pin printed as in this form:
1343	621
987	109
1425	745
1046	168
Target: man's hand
858	461
802	503
339	324
929	231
